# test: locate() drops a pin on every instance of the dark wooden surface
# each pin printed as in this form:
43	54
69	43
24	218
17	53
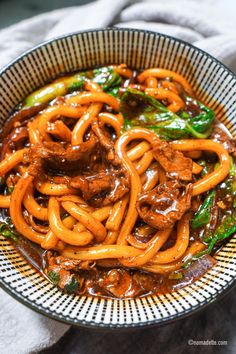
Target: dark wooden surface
216	322
12	11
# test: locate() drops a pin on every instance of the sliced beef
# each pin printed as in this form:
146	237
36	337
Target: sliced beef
98	174
61	158
104	187
20	117
192	107
220	136
13	140
66	273
175	164
165	204
119	283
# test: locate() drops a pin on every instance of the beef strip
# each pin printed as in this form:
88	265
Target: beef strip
64	268
104	187
15	138
192	107
52	156
175	164
223	138
96	172
165	204
120	284
19	117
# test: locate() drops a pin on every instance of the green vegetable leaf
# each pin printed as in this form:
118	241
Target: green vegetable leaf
8	231
57	88
229	184
232	169
76	85
170	130
114	91
106	77
2	181
202	217
226	228
232	176
72	286
205	169
53	276
143	109
201	123
10	189
140	109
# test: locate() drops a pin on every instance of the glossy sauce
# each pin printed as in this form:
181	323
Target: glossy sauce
109	278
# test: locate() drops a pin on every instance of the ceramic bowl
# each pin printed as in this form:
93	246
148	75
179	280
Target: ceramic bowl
213	83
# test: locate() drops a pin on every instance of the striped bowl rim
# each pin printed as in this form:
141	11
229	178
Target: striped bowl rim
193	308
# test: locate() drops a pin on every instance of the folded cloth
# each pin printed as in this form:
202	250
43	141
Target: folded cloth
23	331
18	38
209	24
212	20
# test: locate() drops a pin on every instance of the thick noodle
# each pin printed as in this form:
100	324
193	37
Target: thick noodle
87	223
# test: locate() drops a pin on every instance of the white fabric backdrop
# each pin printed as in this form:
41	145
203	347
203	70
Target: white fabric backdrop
209	24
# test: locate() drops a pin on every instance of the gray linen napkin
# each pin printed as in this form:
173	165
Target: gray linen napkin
209	24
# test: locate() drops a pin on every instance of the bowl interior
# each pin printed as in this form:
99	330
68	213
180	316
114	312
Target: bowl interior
213	84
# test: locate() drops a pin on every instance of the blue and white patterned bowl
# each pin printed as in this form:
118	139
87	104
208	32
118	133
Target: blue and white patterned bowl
213	83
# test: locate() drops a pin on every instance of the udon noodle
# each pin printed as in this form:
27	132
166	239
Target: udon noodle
123	177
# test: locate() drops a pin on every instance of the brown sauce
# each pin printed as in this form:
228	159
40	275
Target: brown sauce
109	278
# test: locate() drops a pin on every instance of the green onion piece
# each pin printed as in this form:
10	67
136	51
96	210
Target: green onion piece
54	277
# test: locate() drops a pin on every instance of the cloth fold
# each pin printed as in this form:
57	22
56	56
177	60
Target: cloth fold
24	331
208	24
